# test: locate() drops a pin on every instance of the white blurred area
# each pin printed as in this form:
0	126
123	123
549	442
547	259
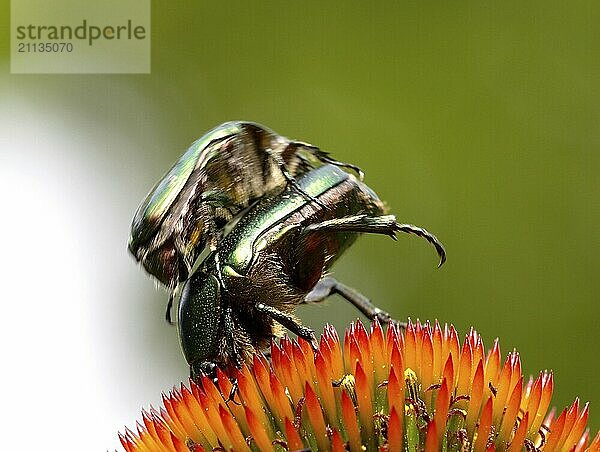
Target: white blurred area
84	343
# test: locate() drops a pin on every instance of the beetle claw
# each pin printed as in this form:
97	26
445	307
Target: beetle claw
313	343
382	317
232	393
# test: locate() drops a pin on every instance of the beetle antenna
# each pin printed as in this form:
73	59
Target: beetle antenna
411	229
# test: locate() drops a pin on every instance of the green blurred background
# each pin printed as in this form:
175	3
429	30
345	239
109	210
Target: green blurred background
477	120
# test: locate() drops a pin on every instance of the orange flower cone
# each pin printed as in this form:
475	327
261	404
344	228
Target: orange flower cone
417	390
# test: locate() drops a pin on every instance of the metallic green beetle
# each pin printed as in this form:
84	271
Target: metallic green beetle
274	259
221	174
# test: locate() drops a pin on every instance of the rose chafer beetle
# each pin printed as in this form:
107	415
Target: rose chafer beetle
221	174
275	258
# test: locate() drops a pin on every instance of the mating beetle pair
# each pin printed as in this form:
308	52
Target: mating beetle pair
274	257
222	173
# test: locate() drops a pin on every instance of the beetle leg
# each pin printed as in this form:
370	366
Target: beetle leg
168	316
323	156
330	286
291	180
304	163
411	229
232	392
384	224
229	327
289	322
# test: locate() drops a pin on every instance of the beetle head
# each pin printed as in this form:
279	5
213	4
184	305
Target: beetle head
199	320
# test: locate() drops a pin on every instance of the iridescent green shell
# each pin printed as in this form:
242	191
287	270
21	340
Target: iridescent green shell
240	247
153	209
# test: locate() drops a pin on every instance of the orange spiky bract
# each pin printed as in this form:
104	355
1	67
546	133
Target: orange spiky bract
396	390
